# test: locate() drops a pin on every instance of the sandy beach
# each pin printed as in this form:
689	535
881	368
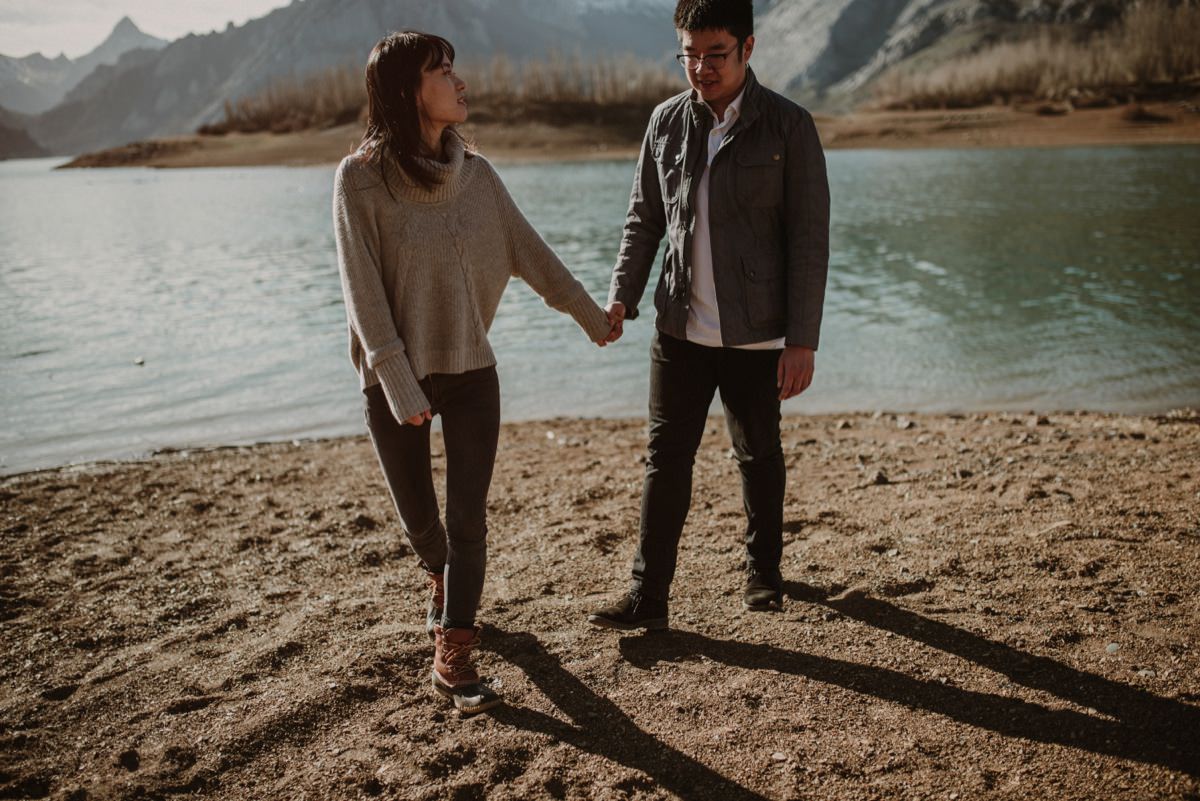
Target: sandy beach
246	622
995	126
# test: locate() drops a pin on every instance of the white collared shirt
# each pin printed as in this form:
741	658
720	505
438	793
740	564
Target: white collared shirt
704	318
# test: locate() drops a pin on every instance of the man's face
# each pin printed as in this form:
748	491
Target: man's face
715	85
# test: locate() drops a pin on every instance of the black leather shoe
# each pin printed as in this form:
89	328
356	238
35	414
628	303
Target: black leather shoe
634	611
764	591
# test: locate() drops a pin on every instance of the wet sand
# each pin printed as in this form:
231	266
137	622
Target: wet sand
998	126
979	606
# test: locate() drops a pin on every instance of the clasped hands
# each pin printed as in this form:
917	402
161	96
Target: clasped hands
616	321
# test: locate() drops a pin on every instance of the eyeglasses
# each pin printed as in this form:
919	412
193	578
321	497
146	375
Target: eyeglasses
712	61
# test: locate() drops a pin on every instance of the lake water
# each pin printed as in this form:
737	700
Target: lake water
144	309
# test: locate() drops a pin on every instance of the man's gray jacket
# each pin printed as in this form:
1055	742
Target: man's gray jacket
768	213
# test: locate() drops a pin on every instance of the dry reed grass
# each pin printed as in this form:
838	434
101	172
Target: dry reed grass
333	97
573	80
1156	43
554	91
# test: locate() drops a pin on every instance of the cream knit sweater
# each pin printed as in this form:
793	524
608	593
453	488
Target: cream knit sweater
423	273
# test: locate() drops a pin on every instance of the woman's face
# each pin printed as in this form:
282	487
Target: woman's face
443	96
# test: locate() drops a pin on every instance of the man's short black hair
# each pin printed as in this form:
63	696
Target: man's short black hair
735	16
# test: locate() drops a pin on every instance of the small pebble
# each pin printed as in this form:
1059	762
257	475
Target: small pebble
1112	648
779	756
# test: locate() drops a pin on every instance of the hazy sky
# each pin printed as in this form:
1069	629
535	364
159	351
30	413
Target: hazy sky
76	26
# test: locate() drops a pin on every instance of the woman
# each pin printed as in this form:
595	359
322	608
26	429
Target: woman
427	238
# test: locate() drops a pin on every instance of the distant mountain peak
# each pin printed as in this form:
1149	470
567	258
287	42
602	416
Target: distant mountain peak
34	84
126	30
125	36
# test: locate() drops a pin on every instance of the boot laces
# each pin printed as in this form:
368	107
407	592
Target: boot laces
457	655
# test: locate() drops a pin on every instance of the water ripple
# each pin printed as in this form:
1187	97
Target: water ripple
204	306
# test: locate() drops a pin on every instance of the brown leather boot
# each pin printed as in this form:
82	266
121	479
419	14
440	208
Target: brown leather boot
437	600
453	674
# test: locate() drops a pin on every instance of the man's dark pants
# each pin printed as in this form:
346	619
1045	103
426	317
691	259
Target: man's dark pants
683	378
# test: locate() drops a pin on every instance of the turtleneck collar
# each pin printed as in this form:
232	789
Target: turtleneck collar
450	173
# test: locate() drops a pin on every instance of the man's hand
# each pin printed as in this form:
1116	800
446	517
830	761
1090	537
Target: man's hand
419	419
616	318
795	371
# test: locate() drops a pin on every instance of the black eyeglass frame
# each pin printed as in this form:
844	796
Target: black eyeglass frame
714	61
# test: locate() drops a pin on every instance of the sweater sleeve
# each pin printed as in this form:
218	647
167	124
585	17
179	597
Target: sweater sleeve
367	307
538	265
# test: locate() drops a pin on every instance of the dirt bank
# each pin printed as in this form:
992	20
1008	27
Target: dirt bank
988	606
998	126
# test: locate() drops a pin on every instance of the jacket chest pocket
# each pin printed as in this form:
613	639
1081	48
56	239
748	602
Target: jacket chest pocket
759	177
669	159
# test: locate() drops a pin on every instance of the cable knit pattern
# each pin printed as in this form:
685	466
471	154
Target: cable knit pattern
423	271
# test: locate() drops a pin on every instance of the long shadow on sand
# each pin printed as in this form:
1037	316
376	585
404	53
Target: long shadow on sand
1147	728
600	726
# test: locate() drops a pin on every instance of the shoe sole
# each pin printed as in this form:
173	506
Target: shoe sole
653	624
769	606
446	692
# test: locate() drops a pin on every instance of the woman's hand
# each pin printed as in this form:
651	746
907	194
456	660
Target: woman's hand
418	419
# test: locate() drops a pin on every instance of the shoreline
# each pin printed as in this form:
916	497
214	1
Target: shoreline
1044	125
249	622
190	450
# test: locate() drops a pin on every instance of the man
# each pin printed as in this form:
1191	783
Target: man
734	175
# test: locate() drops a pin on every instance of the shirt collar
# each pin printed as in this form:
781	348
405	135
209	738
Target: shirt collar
732	112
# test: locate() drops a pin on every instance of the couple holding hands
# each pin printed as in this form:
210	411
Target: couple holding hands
428	237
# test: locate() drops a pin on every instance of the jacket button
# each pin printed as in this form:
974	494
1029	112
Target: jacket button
776	157
752	273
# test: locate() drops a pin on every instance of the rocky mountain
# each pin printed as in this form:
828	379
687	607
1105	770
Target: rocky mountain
824	52
35	83
15	143
828	52
184	85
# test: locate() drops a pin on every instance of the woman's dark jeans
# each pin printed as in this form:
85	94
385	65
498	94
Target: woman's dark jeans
469	404
683	378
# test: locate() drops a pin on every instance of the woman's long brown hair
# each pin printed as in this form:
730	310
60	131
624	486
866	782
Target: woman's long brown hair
393	75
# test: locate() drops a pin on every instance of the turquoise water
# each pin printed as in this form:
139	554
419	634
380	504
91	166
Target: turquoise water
960	280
